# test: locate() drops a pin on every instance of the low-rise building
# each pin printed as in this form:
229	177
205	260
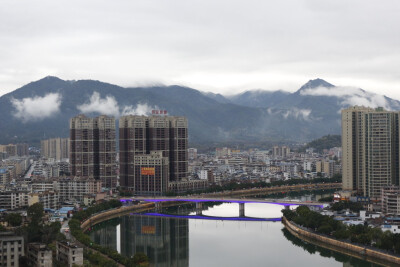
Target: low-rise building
13	199
49	199
38	255
4	176
76	188
390	199
184	186
11	248
69	253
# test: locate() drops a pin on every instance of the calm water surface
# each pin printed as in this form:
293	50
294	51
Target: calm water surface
200	242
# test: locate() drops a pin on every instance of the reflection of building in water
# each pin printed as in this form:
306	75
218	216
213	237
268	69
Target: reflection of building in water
165	241
105	235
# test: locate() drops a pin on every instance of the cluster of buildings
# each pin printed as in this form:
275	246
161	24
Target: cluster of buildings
153	156
279	163
13	150
37	254
152	160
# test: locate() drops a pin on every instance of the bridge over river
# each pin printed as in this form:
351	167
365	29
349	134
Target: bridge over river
241	201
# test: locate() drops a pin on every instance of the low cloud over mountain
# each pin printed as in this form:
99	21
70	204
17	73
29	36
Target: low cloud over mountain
349	96
43	108
109	106
37	107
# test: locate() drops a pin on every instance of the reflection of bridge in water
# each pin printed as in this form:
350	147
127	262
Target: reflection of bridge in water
199	203
204	217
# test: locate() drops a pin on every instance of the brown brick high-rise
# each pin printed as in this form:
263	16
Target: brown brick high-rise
93	149
140	135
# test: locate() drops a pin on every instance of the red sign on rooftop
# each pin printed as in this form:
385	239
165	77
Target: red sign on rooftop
159	112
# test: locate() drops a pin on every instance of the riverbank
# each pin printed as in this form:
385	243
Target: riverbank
362	252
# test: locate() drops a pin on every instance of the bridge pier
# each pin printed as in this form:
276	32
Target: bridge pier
158	206
241	210
199	208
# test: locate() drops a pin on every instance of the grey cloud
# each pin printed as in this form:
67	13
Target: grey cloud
223	46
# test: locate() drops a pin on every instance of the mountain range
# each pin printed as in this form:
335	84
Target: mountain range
42	109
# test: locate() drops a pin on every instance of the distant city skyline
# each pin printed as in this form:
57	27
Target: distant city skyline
222	47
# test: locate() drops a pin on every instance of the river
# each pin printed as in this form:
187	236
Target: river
208	242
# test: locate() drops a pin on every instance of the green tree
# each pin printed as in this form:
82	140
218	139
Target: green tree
325	229
14	219
140	259
36	212
50	232
387	240
303	211
342	233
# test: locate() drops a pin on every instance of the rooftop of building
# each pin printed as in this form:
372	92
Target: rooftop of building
69	244
8	234
38	246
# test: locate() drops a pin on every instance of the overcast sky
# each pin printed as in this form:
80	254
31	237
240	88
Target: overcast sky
223	46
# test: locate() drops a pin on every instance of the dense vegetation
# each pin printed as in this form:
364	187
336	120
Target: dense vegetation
36	230
342	205
361	234
325	142
76	231
14	219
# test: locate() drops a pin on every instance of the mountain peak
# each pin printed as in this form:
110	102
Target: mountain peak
50	78
316	83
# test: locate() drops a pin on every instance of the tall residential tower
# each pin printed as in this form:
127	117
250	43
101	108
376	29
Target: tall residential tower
370	141
56	148
93	149
141	137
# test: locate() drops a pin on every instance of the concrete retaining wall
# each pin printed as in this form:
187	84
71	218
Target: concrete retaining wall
357	251
124	210
109	214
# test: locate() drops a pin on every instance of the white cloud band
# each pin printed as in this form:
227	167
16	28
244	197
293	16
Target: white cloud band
36	108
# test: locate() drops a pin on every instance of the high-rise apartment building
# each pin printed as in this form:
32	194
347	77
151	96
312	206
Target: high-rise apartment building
141	135
280	152
370	141
93	149
56	148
